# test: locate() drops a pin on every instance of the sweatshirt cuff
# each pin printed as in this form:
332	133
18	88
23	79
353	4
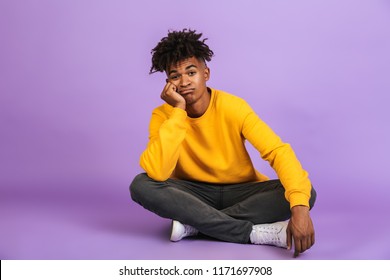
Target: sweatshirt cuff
299	199
179	114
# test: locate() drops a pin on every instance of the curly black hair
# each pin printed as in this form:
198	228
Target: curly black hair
177	46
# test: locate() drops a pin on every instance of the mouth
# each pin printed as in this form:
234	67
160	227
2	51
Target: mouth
186	91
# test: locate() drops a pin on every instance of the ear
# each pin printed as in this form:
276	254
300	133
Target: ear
207	74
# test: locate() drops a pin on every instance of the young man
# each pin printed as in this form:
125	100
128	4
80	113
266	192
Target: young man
198	171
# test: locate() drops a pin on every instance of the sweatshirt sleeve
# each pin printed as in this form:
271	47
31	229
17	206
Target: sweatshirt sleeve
280	156
165	138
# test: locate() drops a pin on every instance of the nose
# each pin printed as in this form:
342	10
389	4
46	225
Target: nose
184	81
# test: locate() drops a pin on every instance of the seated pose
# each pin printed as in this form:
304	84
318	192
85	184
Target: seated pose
198	171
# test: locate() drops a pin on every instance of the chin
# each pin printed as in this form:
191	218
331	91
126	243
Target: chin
189	100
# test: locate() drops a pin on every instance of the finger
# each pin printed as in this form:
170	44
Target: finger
289	238
309	243
167	85
313	239
168	90
304	245
297	245
171	88
163	93
296	254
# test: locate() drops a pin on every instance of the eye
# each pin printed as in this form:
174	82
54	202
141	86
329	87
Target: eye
192	73
174	77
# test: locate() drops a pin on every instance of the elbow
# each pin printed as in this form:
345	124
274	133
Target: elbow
157	176
155	172
155	169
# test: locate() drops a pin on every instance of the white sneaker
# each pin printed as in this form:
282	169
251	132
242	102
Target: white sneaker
179	231
270	234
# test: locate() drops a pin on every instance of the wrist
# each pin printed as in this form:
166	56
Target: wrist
300	209
181	106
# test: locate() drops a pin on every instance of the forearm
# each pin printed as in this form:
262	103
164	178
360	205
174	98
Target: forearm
281	157
291	174
162	153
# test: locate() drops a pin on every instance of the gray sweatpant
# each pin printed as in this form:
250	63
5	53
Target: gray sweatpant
225	212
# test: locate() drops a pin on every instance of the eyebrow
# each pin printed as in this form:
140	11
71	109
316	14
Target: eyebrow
188	67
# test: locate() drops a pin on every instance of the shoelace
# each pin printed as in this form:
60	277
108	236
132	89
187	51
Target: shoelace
267	236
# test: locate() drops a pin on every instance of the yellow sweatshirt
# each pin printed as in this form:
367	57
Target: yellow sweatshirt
211	148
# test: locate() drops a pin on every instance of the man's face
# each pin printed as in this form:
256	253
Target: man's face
189	76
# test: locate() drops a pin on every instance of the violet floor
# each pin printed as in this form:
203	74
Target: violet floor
98	225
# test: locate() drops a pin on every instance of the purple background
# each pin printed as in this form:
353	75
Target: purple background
76	100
